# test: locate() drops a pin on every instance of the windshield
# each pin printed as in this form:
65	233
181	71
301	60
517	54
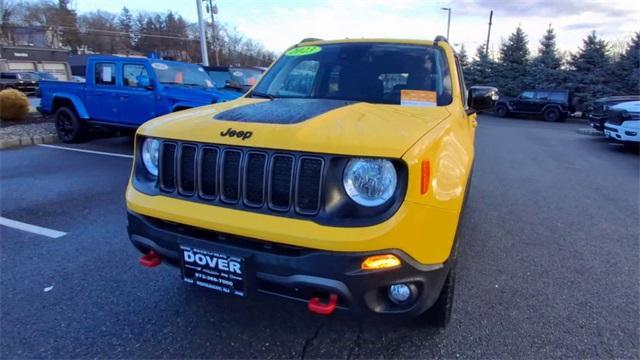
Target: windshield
220	78
27	76
375	73
170	73
244	76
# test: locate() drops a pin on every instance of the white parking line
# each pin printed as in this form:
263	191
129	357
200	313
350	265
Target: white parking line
54	234
87	151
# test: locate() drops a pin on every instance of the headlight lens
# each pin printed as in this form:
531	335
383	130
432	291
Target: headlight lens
150	154
370	182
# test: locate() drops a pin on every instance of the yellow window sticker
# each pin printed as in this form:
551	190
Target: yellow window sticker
303	51
418	98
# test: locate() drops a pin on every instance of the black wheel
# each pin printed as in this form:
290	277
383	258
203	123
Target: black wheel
502	111
70	129
633	147
551	115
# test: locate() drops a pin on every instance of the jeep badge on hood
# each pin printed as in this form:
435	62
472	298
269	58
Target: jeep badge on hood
244	135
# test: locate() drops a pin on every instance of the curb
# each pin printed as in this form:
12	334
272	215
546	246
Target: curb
28	140
589	132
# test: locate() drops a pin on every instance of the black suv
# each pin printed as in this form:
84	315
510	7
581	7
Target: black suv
23	81
552	105
597	111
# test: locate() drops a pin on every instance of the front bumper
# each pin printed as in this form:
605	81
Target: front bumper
628	131
301	273
597	122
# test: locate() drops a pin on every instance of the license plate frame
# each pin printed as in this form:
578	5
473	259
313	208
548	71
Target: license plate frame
219	270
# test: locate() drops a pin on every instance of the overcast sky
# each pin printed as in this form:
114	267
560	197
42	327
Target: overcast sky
281	23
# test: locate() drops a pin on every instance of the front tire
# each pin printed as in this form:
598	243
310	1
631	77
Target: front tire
551	115
633	147
69	127
502	111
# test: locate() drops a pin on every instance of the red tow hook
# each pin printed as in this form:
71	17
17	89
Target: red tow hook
150	259
316	306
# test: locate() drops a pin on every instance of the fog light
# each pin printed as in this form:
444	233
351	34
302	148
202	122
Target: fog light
399	293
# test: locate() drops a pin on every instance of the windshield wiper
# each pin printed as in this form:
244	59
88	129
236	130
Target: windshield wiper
262	95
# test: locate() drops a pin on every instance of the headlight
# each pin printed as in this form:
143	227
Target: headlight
370	182
150	154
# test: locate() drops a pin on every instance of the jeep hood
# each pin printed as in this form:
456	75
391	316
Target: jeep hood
311	125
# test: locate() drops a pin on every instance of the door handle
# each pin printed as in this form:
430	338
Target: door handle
124	96
98	93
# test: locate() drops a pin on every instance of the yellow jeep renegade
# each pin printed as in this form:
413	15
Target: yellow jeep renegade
338	180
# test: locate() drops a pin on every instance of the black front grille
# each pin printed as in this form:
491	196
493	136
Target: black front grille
168	167
243	178
231	175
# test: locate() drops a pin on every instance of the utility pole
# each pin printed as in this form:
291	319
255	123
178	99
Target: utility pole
486	49
213	10
203	36
448	21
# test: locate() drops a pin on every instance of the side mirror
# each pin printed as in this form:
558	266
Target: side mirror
144	82
482	99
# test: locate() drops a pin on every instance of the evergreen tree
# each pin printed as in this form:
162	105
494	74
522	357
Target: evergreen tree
591	75
463	57
592	56
547	52
512	71
628	68
546	71
480	71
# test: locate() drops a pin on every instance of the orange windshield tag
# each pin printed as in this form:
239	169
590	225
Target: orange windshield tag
417	98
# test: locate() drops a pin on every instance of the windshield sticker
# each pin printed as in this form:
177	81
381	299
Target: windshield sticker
303	51
200	69
159	66
237	73
418	98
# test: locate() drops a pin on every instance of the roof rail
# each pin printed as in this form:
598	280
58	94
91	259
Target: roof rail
305	40
440	38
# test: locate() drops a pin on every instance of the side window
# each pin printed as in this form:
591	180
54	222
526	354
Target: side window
526	95
105	74
133	74
299	82
542	95
558	96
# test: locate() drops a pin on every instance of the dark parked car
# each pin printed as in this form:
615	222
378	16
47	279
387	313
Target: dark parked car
551	105
597	111
23	81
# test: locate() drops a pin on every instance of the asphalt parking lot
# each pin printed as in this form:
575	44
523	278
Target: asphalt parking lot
548	264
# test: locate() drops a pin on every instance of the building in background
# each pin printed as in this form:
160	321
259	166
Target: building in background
22	58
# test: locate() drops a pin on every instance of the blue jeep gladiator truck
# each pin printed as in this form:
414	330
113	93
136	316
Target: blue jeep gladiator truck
124	92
